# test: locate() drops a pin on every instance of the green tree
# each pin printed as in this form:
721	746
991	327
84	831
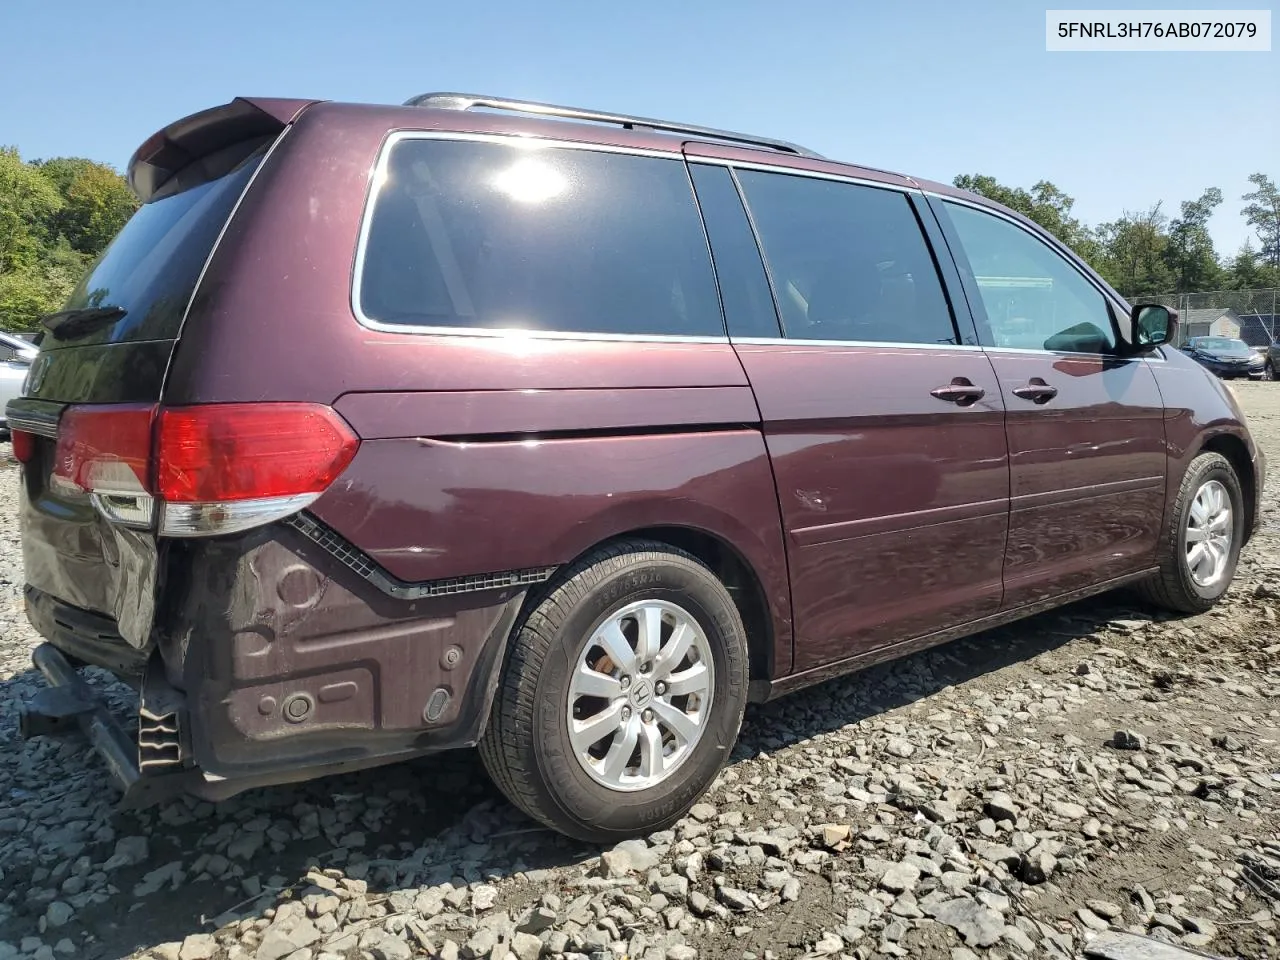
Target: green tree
1189	252
1045	204
96	202
55	217
1244	271
27	202
31	290
1262	211
1134	252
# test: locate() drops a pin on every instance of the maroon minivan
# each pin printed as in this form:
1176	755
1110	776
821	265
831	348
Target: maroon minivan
384	430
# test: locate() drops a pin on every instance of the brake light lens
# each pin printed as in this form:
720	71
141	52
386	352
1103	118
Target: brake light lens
225	452
104	449
24	445
202	470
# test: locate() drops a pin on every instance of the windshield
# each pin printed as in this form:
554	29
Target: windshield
1223	345
152	266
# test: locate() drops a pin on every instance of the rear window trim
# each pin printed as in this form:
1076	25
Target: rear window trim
510	333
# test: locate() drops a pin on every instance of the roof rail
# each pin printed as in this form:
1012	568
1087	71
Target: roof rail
466	101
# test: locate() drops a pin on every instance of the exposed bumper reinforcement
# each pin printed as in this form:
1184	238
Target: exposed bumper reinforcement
69	705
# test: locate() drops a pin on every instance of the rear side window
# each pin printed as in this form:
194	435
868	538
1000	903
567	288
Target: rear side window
490	236
848	262
152	266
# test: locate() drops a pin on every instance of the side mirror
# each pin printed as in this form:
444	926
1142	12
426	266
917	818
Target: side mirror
1152	325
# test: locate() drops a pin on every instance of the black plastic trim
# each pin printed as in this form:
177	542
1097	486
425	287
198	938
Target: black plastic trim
352	557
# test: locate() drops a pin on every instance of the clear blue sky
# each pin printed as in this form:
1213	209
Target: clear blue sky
931	88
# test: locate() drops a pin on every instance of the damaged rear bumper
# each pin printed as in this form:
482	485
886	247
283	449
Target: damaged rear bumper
271	664
69	704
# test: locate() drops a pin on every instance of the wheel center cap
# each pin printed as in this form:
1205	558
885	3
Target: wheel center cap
641	694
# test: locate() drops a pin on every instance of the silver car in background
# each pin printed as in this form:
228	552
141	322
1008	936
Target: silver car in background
16	355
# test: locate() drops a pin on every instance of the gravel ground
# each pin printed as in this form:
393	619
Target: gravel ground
1007	795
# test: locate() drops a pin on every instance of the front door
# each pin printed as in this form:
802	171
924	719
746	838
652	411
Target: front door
1085	425
885	429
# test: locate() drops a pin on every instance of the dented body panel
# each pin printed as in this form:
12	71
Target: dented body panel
287	658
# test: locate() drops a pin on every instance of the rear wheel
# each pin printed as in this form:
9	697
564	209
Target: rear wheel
622	694
1201	543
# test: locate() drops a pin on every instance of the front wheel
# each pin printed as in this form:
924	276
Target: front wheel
1201	542
622	694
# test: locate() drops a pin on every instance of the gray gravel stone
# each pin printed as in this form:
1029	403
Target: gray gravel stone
526	946
1036	868
388	947
1092	920
672	886
899	747
1068	810
198	946
1104	908
59	914
615	864
129	851
1000	806
979	926
735	899
284	937
537	920
899	878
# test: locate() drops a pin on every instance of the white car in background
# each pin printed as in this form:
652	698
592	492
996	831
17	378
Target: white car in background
16	355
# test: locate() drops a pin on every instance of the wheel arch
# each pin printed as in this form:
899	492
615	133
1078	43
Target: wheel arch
743	584
733	569
1234	449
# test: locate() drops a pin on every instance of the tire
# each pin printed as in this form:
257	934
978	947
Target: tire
1268	372
526	747
1175	587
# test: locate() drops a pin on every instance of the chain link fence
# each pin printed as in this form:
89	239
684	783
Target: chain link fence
1256	313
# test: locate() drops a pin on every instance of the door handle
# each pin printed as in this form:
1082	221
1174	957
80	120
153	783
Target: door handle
1035	390
960	391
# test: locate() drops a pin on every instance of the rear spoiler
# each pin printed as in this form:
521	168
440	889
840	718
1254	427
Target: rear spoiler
184	141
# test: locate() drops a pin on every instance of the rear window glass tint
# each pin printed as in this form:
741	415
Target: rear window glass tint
483	235
152	266
848	262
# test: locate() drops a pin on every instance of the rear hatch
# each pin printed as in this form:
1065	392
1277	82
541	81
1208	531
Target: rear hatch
102	364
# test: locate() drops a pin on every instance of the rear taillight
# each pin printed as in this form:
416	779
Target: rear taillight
228	467
200	470
104	449
24	445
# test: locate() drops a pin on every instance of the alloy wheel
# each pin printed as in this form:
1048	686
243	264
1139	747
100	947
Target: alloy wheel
1209	533
640	695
